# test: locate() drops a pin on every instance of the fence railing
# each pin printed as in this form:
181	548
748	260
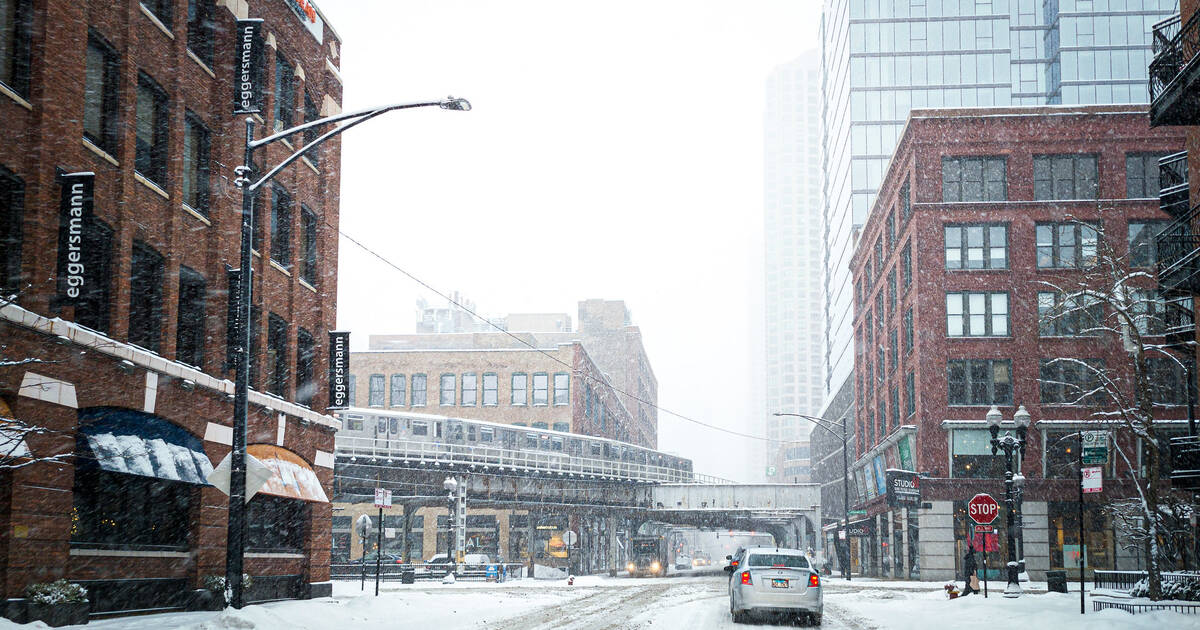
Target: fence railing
389	571
404	451
1125	580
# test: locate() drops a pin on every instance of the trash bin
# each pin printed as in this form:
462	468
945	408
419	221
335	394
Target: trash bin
408	576
1056	581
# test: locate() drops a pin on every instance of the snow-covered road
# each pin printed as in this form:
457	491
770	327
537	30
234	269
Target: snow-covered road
688	602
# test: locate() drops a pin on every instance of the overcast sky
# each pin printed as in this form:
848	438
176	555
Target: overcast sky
614	151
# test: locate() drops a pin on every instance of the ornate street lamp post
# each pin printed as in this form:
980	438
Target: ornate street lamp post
1010	445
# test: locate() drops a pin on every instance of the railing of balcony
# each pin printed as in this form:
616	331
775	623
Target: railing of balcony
1178	249
1174	46
1173	197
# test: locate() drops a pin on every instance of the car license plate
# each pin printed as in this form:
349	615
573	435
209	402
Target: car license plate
777	583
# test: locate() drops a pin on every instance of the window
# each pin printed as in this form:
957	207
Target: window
161	10
894	355
12	218
562	427
399	390
306	355
277	359
195	164
375	393
447	390
541	389
1063	245
351	395
971	455
92	308
420	428
16	44
562	388
308	246
520	389
891	291
281	227
276	524
201	30
1069	381
1064	177
122	511
976	246
312	113
1153	314
891	229
974	179
100	94
1141	175
908	330
910	394
285	93
1168	381
906	265
491	394
470	389
894	402
145	297
1143	251
150	159
189	339
905	203
980	382
976	314
1068	316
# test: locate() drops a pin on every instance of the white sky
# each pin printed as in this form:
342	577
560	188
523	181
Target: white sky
614	151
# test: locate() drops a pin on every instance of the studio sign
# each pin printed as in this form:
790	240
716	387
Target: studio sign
903	488
76	239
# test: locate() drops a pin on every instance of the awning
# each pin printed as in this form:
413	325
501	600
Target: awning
137	443
292	477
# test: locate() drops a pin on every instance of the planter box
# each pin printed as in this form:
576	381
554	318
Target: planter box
14	610
57	615
204	599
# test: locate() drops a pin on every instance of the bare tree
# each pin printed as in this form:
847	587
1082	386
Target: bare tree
1107	298
14	433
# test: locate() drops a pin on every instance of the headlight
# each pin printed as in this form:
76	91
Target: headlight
630	567
654	566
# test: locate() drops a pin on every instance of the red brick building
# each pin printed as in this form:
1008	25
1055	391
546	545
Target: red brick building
977	209
134	378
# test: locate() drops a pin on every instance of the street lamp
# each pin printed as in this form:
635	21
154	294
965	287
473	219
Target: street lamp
450	484
1010	445
824	424
235	536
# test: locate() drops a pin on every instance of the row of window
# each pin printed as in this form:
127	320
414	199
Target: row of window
471	393
1055	177
979	314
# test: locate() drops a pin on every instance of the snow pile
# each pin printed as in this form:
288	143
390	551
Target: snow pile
542	572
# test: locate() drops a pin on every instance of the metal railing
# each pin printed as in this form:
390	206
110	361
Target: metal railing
1178	248
553	462
1185	462
1173	196
393	571
1174	45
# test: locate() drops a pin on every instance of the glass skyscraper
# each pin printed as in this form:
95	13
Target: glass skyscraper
882	58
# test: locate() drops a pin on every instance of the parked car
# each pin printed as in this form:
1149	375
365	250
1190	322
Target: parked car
770	581
388	558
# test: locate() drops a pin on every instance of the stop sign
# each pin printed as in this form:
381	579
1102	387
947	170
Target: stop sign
983	509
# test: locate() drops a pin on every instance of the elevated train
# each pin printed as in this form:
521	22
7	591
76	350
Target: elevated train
374	431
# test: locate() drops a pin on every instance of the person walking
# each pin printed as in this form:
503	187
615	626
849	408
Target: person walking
969	568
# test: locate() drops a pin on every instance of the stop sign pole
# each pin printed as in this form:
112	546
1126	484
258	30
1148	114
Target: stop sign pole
983	509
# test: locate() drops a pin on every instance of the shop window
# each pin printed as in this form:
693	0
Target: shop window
121	511
1065	550
971	455
145	297
276	524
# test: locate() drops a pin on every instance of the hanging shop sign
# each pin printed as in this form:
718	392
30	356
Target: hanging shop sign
77	262
247	68
861	529
903	488
339	369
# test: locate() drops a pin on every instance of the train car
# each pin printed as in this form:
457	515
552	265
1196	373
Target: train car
379	430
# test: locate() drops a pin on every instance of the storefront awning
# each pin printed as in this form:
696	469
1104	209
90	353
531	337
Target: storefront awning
291	476
137	443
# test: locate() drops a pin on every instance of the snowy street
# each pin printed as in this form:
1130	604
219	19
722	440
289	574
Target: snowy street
695	602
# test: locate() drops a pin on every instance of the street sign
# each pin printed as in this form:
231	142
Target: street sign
983	509
858	512
1095	447
985	529
1093	479
383	498
770	471
570	537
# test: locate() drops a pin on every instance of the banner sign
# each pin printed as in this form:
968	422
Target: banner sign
861	529
76	260
903	488
247	68
880	482
339	370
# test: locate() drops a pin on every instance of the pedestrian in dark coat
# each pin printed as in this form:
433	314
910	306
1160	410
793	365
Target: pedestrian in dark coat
969	568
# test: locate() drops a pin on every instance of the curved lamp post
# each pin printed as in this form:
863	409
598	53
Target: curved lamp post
825	424
1010	444
235	539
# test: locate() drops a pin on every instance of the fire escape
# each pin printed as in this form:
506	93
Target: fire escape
1175	100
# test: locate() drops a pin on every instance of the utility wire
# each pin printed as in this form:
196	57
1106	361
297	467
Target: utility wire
523	342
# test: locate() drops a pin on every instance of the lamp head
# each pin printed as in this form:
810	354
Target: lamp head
450	484
1021	418
456	104
993	417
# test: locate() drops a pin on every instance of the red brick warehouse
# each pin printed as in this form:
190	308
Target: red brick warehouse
977	209
135	378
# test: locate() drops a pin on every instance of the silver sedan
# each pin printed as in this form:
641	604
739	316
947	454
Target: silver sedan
774	581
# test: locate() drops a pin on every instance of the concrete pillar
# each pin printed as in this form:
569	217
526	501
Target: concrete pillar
610	545
406	523
1035	514
531	530
937	549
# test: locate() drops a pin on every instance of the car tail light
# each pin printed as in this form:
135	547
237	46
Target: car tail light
746	577
813	580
